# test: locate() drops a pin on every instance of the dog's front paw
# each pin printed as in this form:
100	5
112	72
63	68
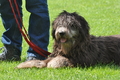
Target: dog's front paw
59	62
31	64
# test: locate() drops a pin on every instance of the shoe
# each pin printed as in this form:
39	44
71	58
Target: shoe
9	53
31	58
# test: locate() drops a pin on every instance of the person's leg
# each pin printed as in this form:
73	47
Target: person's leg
38	26
11	38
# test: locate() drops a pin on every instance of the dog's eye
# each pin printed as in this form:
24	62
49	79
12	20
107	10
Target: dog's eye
72	27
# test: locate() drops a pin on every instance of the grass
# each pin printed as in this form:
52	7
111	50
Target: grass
103	17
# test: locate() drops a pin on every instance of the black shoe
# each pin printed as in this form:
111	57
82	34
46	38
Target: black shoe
10	53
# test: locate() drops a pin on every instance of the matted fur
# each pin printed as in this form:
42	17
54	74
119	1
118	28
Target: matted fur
74	46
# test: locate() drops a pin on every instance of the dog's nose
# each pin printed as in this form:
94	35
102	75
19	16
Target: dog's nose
61	33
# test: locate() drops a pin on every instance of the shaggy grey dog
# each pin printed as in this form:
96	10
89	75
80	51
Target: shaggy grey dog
74	46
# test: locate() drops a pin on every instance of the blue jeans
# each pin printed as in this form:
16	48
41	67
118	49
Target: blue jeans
38	25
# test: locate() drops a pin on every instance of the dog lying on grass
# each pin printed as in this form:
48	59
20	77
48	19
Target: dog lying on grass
74	46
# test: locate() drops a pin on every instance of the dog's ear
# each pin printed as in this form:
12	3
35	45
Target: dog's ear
82	26
53	30
85	28
53	33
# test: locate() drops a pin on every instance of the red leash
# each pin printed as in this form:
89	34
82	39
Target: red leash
24	33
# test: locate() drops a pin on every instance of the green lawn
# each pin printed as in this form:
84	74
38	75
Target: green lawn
103	17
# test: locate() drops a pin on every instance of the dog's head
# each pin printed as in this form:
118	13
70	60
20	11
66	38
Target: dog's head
67	27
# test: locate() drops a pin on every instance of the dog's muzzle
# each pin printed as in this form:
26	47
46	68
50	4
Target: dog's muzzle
62	34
